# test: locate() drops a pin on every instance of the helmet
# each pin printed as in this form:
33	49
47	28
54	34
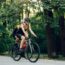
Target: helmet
27	20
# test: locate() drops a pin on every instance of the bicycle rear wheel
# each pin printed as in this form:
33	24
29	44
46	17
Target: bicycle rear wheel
33	52
15	50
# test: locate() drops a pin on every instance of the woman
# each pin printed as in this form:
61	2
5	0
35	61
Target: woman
22	32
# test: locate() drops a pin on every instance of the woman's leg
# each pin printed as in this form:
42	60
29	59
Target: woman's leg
22	41
21	50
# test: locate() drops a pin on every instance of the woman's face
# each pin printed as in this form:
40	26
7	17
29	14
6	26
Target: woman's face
25	24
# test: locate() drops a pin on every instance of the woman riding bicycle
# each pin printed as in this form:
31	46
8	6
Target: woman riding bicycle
21	32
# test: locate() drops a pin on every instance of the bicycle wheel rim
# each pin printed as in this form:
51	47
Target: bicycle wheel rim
35	54
15	54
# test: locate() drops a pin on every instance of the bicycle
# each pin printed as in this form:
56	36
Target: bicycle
31	51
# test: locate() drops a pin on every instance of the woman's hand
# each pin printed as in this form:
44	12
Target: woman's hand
25	32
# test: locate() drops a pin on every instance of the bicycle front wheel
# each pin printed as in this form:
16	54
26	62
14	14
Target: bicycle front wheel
33	52
15	54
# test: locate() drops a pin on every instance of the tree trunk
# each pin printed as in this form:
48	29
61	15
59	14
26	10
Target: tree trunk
51	36
51	45
62	34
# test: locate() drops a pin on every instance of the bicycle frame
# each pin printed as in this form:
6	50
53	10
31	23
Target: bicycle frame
29	43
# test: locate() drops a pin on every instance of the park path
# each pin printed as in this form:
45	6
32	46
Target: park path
5	60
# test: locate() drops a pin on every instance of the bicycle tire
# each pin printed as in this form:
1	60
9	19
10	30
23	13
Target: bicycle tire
15	53
38	52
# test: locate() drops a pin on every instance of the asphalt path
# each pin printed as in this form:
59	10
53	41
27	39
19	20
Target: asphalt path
5	60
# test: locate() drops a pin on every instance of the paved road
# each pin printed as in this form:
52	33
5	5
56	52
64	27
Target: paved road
4	60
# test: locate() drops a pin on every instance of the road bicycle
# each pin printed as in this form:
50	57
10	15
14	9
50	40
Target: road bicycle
31	51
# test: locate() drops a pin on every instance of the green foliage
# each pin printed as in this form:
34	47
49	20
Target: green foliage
38	25
9	17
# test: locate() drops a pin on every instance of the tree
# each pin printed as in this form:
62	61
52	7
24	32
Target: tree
9	17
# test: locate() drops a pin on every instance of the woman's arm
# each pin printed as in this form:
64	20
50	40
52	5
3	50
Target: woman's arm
30	29
25	32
